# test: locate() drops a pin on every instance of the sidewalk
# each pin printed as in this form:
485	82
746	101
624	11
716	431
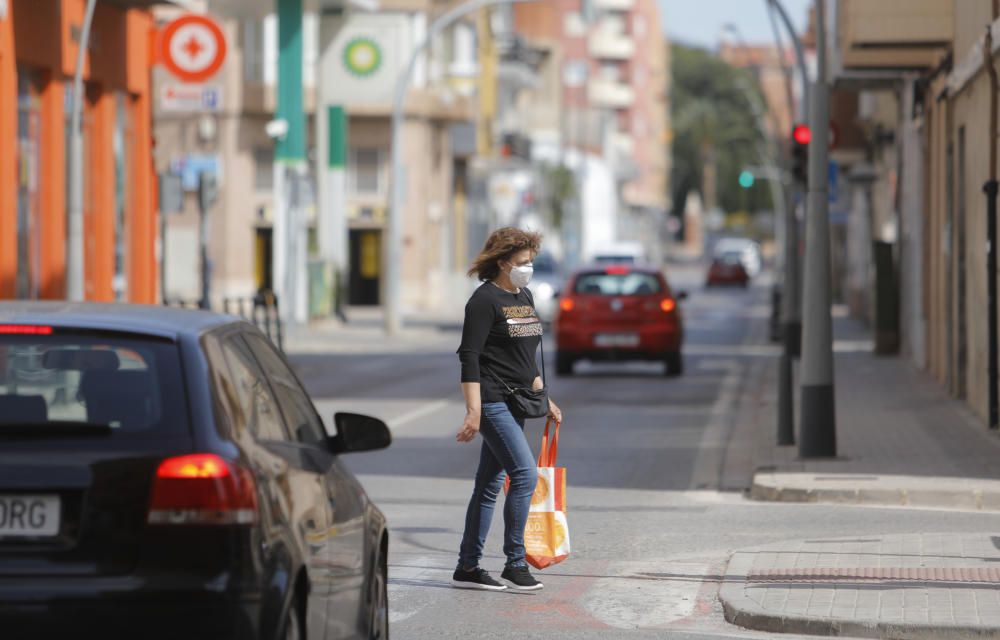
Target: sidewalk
893	422
926	586
364	332
901	441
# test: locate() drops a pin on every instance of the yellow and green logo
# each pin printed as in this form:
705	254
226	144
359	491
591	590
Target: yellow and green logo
362	57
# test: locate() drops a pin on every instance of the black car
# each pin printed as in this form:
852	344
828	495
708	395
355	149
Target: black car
163	474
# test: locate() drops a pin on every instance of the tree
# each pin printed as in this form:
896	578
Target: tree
714	132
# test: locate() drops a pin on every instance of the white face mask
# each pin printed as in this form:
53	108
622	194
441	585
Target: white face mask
521	276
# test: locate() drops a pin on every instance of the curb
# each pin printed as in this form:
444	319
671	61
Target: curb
741	611
883	490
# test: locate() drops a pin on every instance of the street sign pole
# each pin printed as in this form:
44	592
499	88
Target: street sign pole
818	417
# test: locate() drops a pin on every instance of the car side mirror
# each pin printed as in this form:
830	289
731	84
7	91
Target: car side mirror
682	295
356	432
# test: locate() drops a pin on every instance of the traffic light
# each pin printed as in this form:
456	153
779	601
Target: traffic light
801	135
746	179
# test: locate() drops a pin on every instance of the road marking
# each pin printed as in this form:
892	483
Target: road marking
419	412
712	448
405	578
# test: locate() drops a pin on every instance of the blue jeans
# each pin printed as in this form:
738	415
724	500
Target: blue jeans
504	449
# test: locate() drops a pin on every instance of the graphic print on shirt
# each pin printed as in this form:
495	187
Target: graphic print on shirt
522	322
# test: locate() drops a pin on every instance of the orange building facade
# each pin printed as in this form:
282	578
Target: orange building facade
38	51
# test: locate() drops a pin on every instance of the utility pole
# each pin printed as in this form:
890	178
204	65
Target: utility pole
791	321
818	421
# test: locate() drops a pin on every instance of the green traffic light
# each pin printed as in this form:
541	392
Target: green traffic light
746	179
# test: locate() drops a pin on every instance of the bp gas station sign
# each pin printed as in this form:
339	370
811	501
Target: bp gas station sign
362	57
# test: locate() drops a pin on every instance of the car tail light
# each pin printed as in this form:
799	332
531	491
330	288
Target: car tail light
202	489
668	305
618	270
567	304
25	330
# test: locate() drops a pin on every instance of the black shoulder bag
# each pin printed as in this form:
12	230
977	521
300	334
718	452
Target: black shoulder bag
527	403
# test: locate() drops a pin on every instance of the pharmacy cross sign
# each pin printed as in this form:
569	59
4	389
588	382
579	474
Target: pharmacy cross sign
193	48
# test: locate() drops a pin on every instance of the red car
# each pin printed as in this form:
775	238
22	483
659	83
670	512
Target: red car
727	268
619	312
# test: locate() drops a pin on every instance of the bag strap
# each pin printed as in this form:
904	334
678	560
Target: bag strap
497	378
541	343
550	448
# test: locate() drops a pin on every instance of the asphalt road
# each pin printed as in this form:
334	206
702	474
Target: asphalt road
654	508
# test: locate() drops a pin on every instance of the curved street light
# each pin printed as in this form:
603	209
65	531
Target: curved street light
394	236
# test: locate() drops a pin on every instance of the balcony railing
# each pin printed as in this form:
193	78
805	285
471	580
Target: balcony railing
613	5
610	94
610	46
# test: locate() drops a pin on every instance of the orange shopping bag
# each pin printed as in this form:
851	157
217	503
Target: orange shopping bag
546	535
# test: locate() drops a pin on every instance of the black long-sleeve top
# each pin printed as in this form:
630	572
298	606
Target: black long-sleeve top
499	339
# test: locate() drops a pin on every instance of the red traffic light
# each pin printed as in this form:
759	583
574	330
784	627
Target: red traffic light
802	134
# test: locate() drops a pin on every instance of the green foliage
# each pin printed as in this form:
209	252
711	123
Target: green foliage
560	187
711	117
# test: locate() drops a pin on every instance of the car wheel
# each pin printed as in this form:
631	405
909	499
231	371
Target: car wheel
379	628
674	364
564	364
292	626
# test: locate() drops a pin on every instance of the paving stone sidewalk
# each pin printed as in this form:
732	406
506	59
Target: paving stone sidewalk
893	423
919	586
902	441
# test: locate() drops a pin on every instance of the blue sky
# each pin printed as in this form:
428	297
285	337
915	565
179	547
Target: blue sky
700	22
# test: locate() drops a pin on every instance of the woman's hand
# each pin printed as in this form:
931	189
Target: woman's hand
555	412
469	428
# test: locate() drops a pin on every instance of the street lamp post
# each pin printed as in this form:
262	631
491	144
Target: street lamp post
74	250
791	329
394	235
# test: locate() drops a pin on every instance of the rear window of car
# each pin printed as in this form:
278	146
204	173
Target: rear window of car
730	257
614	259
612	284
133	386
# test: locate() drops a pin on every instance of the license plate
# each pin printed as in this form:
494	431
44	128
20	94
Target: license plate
31	516
616	340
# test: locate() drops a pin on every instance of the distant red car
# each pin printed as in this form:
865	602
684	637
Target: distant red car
727	268
619	312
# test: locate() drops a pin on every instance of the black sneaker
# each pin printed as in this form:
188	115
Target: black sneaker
521	578
475	579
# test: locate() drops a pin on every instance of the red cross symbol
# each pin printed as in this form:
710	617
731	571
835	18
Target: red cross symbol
193	47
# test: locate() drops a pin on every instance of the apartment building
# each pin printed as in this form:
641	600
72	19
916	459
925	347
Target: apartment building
351	62
615	79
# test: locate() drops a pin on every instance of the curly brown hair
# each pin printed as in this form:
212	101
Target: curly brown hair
501	245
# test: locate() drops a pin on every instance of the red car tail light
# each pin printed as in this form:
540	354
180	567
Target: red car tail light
202	489
567	304
668	305
25	330
618	270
